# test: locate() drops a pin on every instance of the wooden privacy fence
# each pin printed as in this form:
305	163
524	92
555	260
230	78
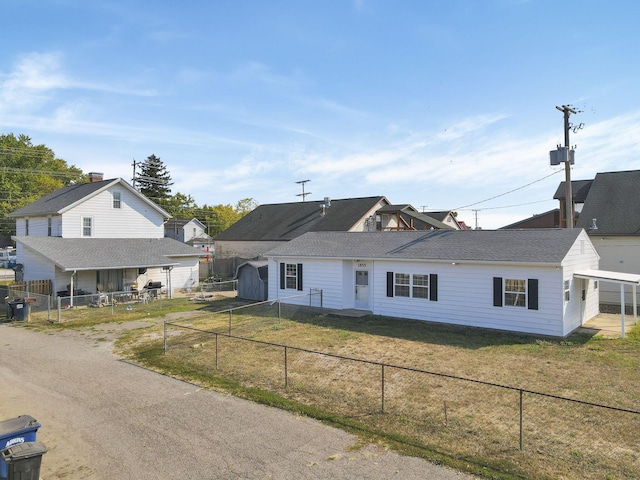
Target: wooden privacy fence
41	287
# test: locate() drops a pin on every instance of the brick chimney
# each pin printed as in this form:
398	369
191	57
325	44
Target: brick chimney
95	177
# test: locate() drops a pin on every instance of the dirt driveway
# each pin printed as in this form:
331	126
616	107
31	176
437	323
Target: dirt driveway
104	418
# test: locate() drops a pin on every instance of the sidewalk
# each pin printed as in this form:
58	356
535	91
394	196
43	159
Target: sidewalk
608	325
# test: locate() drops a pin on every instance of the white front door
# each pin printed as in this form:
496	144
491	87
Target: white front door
362	290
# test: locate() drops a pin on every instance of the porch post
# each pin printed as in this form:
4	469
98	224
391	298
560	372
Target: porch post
634	287
622	308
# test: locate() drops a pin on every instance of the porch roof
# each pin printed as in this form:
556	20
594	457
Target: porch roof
606	276
75	254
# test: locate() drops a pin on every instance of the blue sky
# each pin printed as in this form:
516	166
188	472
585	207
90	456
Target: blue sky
440	104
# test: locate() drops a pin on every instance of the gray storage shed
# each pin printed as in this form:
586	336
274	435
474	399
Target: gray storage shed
252	277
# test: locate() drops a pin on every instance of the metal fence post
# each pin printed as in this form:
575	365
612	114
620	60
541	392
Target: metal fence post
286	371
216	334
279	311
59	309
521	442
48	307
383	388
229	322
165	337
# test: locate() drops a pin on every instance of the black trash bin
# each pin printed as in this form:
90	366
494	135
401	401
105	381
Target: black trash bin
18	309
15	431
23	460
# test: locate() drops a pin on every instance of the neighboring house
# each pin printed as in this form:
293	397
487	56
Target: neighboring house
550	219
405	217
100	234
517	280
447	217
612	206
271	225
579	192
192	232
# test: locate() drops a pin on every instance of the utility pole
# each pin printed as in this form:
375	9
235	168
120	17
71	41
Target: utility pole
567	110
475	213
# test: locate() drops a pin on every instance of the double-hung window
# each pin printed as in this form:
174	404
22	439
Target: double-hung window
117	200
420	287
291	276
402	285
86	226
515	292
412	285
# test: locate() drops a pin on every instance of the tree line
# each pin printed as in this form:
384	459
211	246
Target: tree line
29	171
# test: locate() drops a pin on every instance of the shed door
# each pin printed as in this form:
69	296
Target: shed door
362	289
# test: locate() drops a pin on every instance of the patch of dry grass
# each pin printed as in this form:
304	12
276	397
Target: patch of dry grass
463	419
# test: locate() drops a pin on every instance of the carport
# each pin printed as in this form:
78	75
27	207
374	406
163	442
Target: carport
621	279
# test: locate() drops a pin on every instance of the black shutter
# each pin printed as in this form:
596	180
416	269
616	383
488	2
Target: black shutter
282	276
389	284
497	291
533	294
433	287
299	276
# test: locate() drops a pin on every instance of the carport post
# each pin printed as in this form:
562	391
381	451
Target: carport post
622	308
634	289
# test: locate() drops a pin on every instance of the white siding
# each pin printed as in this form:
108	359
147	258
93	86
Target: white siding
184	275
135	218
465	291
35	267
617	254
581	256
465	297
316	274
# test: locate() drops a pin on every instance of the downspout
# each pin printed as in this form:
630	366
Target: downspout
72	289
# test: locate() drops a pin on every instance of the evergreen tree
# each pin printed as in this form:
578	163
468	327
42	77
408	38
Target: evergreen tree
154	180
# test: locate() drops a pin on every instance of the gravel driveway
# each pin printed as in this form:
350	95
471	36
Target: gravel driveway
104	418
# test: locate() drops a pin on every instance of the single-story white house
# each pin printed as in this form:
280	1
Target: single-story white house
518	280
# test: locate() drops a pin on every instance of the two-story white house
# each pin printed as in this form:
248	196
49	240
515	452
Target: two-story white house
102	235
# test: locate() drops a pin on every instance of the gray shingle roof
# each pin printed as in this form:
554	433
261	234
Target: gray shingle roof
285	221
520	246
614	202
108	253
579	190
55	203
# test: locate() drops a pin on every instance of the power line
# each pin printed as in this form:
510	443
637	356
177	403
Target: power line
504	206
510	191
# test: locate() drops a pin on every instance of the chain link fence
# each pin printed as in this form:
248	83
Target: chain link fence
529	431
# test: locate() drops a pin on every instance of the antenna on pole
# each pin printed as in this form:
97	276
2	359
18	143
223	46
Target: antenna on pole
475	213
303	194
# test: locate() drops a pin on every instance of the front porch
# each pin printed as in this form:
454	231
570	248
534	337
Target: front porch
608	325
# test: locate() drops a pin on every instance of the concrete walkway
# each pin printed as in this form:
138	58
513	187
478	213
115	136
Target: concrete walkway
608	325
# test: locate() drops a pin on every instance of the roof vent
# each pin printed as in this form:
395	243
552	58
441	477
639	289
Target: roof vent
593	225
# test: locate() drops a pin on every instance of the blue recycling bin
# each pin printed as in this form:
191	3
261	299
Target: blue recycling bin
15	431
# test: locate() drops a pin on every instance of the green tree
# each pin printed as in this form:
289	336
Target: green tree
181	206
220	217
154	180
28	172
244	206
